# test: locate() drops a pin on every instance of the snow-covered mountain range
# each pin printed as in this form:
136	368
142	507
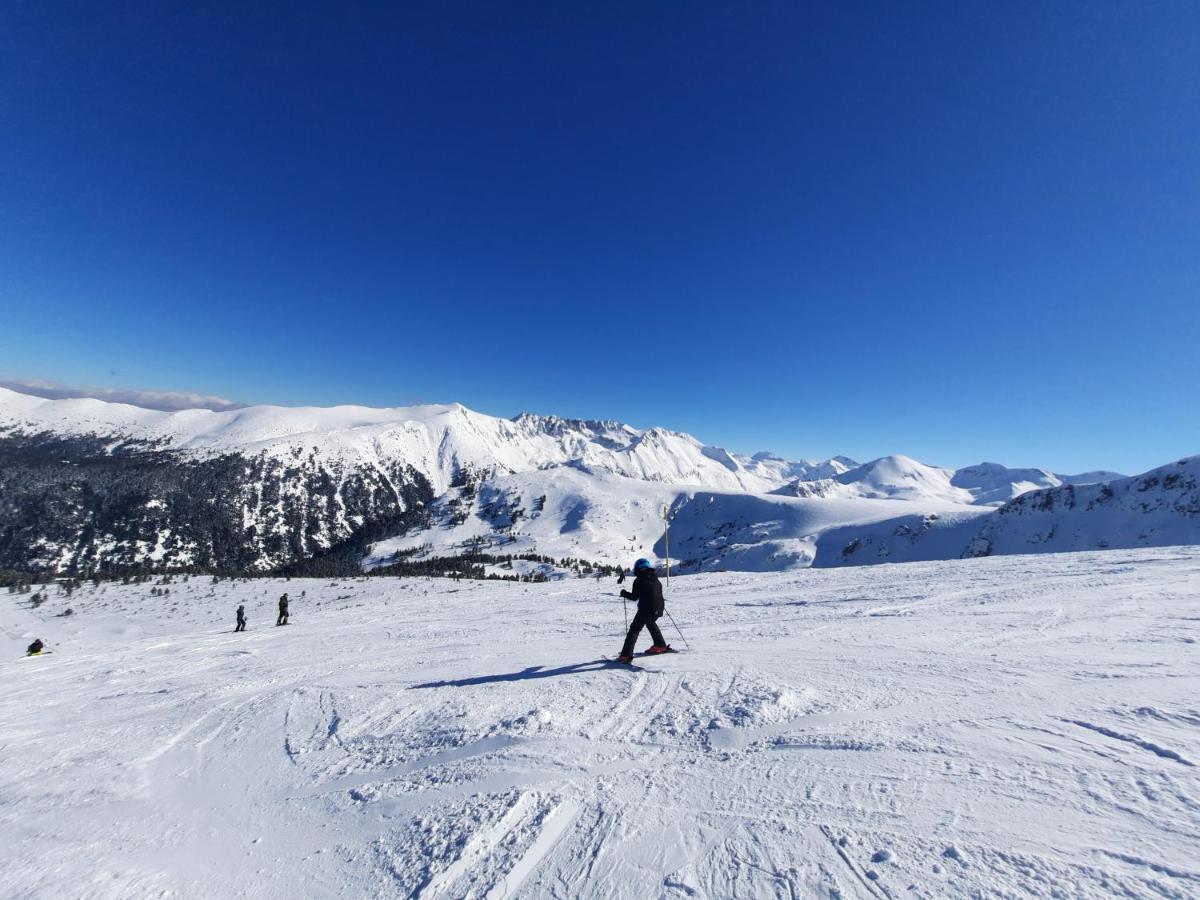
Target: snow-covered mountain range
88	485
1158	508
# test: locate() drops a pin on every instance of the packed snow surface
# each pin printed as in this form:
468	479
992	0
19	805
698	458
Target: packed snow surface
1013	726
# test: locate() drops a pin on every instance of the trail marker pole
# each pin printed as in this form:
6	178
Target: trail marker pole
667	539
667	548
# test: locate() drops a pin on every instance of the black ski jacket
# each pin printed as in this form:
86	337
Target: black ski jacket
647	591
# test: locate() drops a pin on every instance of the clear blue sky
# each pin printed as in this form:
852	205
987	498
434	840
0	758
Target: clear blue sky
955	230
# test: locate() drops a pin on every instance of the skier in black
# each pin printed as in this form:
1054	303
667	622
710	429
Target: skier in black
621	577
241	618
35	648
283	612
647	591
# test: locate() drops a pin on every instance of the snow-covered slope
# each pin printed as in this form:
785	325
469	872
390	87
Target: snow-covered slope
1098	477
990	483
97	486
779	470
761	533
439	441
605	518
903	478
994	484
561	512
1006	727
1158	508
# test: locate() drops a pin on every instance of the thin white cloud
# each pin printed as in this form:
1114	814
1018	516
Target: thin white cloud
164	400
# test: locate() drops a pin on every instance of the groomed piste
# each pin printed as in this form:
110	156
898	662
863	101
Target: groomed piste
1010	726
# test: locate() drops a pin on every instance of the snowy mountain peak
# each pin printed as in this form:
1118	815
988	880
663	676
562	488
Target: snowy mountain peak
902	477
534	423
994	483
438	440
91	485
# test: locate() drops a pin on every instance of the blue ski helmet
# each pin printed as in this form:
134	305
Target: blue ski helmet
642	564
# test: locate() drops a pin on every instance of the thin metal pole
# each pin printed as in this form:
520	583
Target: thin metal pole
681	637
667	520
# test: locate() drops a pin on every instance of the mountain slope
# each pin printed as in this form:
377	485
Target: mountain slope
96	486
570	514
903	478
1158	508
993	483
439	441
84	504
89	486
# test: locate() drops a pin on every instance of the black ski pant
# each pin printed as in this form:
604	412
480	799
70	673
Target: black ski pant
644	617
241	625
282	620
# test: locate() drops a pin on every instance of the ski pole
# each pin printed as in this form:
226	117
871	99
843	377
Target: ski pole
625	609
681	637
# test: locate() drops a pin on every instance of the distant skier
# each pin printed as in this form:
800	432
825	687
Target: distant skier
241	618
620	576
647	591
35	648
283	611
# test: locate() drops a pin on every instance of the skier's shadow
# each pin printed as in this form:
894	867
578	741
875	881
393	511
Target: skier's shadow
593	665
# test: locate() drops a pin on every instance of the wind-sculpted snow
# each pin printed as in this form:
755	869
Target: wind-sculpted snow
1011	726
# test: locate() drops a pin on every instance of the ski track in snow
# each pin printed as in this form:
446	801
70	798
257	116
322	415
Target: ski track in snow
1013	726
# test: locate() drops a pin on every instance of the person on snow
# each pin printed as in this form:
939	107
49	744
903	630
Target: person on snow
35	648
241	618
647	591
283	611
621	576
